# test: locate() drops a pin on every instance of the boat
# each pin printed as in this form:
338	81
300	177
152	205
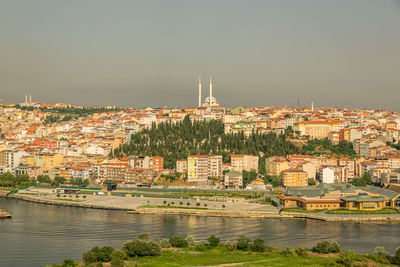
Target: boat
4	214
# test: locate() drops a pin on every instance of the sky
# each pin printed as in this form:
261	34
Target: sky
151	53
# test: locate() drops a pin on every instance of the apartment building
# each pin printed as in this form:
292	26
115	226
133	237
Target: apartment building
244	162
181	166
294	178
318	129
200	167
233	180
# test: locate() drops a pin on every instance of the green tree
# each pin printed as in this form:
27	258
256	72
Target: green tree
43	179
243	243
118	258
213	241
139	247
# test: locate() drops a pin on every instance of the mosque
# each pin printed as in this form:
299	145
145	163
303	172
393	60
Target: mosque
210	101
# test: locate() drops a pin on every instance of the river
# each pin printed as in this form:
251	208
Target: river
40	234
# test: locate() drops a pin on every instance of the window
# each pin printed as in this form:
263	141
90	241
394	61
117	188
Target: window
368	205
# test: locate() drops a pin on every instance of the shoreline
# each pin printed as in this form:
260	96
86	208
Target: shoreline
359	218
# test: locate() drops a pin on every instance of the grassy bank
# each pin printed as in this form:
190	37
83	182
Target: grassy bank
381	211
301	210
170	207
185	251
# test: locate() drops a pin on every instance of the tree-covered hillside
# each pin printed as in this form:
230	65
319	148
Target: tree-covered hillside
177	141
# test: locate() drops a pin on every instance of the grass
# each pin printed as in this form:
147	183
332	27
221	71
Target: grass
70	200
220	255
171	207
381	211
301	210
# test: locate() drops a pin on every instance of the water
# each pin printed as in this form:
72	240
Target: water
41	234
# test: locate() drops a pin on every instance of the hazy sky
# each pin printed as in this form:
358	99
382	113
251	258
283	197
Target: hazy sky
149	53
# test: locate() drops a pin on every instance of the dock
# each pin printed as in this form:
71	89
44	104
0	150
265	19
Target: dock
4	214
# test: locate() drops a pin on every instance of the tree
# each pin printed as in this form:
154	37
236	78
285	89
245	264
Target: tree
243	243
69	263
179	242
311	181
43	179
326	247
98	254
59	180
118	258
138	247
213	241
257	245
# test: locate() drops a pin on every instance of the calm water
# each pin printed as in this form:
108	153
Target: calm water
41	234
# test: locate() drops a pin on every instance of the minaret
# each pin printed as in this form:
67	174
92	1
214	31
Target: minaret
26	98
210	91
30	98
312	106
199	91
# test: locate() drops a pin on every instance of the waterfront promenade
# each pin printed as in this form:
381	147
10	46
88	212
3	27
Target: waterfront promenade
205	208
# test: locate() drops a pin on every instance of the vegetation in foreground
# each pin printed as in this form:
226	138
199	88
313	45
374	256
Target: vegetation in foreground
347	211
186	251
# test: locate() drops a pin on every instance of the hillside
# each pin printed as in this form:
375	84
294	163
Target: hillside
177	141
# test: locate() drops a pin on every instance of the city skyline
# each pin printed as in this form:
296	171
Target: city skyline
134	54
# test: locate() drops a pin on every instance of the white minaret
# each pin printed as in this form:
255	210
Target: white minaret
26	98
210	90
199	91
30	98
312	106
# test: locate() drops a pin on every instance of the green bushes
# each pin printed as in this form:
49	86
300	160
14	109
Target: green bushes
179	242
326	247
257	245
213	241
140	247
58	195
98	254
243	243
118	258
69	263
288	251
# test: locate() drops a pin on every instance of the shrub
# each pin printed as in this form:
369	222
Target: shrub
164	243
223	206
84	196
198	204
181	203
179	242
172	203
243	243
257	245
205	204
190	239
139	247
165	202
396	258
69	263
200	248
65	195
302	252
70	195
98	254
325	247
381	252
288	251
188	203
117	258
77	196
213	241
144	236
347	258
58	195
